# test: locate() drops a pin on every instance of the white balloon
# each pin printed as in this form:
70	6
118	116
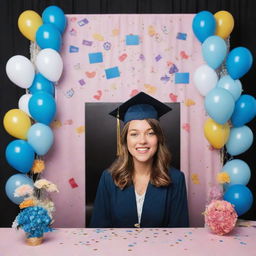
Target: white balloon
205	79
49	64
23	103
20	71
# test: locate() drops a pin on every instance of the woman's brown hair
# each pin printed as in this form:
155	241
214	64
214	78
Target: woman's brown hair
122	168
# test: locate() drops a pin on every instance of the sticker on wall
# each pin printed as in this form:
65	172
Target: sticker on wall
112	72
95	57
132	40
181	78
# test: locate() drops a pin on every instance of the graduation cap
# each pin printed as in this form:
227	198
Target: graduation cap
139	107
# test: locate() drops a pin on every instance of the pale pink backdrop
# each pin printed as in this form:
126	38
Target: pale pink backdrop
166	44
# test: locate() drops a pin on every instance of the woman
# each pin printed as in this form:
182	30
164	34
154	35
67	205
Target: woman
140	189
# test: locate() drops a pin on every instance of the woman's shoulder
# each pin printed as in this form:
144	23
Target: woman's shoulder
175	174
107	177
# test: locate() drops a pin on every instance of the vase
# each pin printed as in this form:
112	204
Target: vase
34	241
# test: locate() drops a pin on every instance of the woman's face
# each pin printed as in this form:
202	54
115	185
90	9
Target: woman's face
142	141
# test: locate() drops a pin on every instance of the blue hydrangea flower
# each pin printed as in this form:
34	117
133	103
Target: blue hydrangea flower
34	221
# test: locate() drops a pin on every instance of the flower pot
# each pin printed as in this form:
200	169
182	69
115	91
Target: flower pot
33	241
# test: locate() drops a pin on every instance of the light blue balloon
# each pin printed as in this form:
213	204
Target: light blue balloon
240	139
40	137
203	25
238	171
239	61
219	104
245	110
20	155
42	107
214	51
231	85
48	36
40	83
13	183
55	16
240	196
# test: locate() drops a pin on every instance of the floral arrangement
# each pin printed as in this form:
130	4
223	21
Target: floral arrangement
36	216
220	216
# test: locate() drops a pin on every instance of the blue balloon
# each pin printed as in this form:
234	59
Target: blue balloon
219	104
238	171
48	36
55	16
40	83
13	183
214	51
239	61
245	110
240	139
20	155
40	137
42	107
240	196
233	86
204	25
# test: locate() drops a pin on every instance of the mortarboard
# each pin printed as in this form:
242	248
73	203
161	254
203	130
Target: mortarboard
139	107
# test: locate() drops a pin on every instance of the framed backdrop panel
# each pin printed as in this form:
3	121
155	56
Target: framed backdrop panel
108	59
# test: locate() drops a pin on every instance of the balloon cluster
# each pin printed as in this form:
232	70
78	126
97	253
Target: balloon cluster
229	111
29	123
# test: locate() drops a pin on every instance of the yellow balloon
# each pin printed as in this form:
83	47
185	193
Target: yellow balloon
216	134
28	23
17	123
224	24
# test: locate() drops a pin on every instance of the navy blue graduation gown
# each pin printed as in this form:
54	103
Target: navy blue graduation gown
163	206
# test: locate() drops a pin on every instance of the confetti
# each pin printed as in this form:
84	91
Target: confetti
73	49
90	74
158	57
72	183
181	36
173	97
122	57
83	22
189	102
98	37
173	69
107	46
132	40
98	95
81	82
80	129
87	43
181	78
69	93
95	57
195	179
112	72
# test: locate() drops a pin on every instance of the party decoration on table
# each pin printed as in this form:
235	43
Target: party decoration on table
220	216
229	113
31	122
